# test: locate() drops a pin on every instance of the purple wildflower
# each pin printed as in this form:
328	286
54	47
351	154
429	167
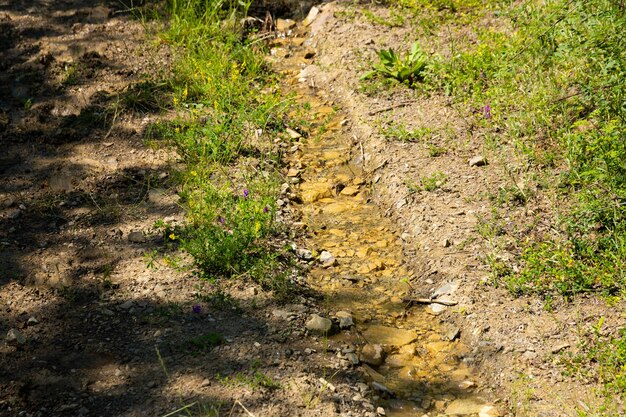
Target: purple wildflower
265	209
487	111
220	219
245	193
197	309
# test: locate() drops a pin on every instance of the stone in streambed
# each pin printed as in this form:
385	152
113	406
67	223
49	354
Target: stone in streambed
319	324
327	259
373	354
464	407
389	335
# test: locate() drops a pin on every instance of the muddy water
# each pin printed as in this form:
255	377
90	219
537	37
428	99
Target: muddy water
369	276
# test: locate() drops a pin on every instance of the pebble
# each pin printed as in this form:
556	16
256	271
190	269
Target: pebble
345	322
345	319
478	161
126	305
32	321
353	358
436	309
327	259
319	324
381	388
136	236
328	385
452	334
304	254
14	337
380	411
372	354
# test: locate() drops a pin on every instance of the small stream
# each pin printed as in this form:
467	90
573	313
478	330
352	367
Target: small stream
369	275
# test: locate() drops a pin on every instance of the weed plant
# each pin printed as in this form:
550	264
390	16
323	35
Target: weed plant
226	118
408	70
552	78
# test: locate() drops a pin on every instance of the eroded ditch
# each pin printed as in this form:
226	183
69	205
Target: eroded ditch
413	360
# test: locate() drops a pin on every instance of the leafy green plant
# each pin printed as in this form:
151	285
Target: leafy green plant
409	69
433	181
399	131
206	341
255	380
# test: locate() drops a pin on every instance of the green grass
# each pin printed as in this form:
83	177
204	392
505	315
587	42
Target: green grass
551	81
253	380
600	358
399	131
227	117
547	80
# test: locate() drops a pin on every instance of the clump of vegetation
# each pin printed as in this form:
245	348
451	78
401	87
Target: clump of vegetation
228	115
409	69
399	131
552	78
607	354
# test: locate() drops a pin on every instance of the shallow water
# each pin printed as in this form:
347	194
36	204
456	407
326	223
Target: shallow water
371	275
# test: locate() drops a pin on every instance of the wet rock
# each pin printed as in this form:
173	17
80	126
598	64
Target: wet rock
382	388
464	407
14	337
350	191
319	324
389	335
312	192
327	259
346	322
478	161
373	354
398	360
283	25
136	236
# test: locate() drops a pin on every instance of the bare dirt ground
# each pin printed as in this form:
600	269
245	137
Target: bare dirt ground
80	192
